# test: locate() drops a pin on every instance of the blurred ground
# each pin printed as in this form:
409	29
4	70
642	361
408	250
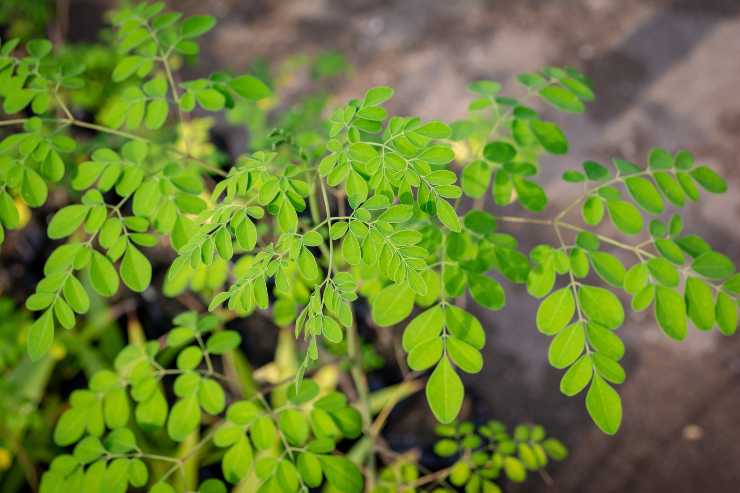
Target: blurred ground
666	73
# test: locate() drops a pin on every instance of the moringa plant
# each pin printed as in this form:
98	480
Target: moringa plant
326	226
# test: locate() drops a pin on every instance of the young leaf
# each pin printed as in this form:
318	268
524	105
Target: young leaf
556	311
604	405
445	392
601	306
577	377
567	346
427	325
197	25
341	473
250	88
103	275
136	271
447	215
699	303
562	99
670	312
392	304
66	221
625	216
41	336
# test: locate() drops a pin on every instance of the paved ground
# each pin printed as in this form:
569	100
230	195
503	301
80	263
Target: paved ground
666	73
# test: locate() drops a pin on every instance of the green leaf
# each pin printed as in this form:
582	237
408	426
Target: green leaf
556	311
625	216
463	325
530	194
465	356
263	433
76	295
670	312
604	405
608	267
116	408
480	222
425	326
700	304
664	272
307	264
562	99
577	377
487	292
601	306
294	425
484	87
567	346
156	114
550	136
184	417
541	280
595	171
434	130
250	88
103	275
425	354
88	449
555	449
609	369
222	342
593	210
33	188
39	48
670	250
392	304
713	265
210	99
331	330
499	151
605	341
70	427
309	467
709	179
127	67
660	159
670	188
377	95
162	488
8	212
636	278
341	473
136	271
66	221
515	470
447	215
445	392
41	336
237	461
476	178
725	313
211	396
645	194
503	188
197	25
287	217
